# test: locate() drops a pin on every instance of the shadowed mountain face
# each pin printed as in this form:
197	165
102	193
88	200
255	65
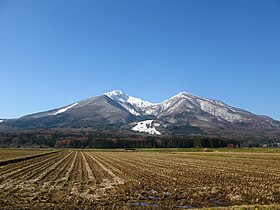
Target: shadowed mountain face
100	110
184	113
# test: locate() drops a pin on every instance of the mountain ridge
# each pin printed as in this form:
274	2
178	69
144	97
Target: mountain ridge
184	111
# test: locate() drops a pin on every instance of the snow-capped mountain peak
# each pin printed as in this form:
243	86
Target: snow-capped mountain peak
134	105
117	95
192	103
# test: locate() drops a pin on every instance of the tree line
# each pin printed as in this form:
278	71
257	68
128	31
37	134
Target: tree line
88	139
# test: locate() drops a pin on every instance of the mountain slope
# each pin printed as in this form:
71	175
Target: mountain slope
212	114
99	110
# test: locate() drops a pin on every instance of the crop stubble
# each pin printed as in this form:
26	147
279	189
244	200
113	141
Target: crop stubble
92	180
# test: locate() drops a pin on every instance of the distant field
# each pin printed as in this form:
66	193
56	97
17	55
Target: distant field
174	150
11	154
246	150
91	179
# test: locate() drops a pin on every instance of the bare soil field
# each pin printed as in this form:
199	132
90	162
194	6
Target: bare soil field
85	179
8	155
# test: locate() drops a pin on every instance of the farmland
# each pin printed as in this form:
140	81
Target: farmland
10	155
89	179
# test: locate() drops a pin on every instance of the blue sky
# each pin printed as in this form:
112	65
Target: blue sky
55	52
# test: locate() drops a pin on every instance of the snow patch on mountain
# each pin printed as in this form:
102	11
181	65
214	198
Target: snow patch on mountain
134	105
117	95
138	102
120	96
64	109
131	110
146	126
1	121
220	111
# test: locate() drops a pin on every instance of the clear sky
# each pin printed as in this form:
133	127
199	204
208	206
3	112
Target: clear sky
56	52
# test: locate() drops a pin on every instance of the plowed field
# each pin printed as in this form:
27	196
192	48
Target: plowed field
127	180
11	154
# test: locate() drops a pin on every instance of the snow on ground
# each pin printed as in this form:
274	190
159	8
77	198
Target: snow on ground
146	127
1	121
65	109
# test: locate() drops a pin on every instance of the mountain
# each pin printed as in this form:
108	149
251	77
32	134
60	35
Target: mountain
100	110
182	114
188	112
212	115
